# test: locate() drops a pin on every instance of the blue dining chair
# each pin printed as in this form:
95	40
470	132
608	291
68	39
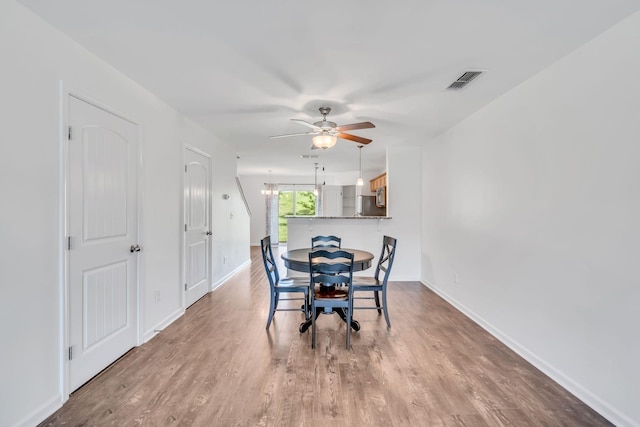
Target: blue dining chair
378	283
328	269
282	285
325	242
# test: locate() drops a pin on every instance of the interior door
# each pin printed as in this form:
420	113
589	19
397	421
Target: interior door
103	238
197	214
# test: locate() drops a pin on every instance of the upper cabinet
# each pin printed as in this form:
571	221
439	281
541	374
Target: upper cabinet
378	182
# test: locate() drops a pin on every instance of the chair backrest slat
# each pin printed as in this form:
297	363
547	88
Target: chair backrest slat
269	262
386	258
340	271
326	242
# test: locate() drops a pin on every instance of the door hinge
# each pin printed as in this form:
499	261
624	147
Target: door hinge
185	286
185	228
70	352
69	133
185	168
69	243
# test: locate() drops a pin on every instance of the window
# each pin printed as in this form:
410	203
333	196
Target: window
298	203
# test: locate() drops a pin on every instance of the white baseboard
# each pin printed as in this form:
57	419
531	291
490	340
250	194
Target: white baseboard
400	278
162	324
224	279
178	313
593	401
41	414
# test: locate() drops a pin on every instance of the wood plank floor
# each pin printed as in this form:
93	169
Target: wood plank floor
218	366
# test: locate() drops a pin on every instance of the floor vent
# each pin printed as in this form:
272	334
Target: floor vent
464	79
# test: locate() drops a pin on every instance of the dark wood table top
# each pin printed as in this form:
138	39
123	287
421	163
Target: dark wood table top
298	259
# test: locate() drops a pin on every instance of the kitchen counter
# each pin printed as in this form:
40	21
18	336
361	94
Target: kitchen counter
362	232
338	217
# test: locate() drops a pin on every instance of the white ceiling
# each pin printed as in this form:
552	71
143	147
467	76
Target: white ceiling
243	69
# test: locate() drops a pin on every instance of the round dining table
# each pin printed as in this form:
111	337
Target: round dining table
298	260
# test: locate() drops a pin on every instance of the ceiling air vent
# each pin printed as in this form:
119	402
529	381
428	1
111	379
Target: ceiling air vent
464	79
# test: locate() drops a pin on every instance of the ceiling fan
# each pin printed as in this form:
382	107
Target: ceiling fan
326	132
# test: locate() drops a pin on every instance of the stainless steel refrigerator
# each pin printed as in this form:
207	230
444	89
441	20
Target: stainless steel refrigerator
369	207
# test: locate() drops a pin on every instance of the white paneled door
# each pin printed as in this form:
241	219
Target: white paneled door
197	228
103	239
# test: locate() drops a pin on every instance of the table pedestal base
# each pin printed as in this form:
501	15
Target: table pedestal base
305	325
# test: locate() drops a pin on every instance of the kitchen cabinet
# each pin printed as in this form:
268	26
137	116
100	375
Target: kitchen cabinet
377	182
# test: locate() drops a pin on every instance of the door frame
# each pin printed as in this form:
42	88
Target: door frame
183	250
64	289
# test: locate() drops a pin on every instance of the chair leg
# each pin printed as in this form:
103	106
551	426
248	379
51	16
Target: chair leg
307	308
377	299
313	326
272	309
384	306
349	313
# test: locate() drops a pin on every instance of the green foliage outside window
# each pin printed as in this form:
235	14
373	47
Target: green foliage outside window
299	203
305	203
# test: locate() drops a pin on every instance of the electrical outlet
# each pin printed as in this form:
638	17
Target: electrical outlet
157	296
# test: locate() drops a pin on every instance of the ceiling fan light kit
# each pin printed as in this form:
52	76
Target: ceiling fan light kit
326	132
324	141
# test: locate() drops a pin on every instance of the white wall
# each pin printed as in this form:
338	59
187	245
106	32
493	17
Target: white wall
531	225
404	182
35	58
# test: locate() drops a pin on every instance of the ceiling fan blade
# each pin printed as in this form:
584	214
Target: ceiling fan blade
292	134
311	125
354	126
354	138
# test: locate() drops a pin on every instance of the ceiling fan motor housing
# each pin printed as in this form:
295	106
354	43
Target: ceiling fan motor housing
326	125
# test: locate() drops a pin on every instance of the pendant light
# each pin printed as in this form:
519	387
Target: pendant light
360	181
315	180
269	189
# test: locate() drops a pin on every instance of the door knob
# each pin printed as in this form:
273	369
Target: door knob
135	248
208	233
